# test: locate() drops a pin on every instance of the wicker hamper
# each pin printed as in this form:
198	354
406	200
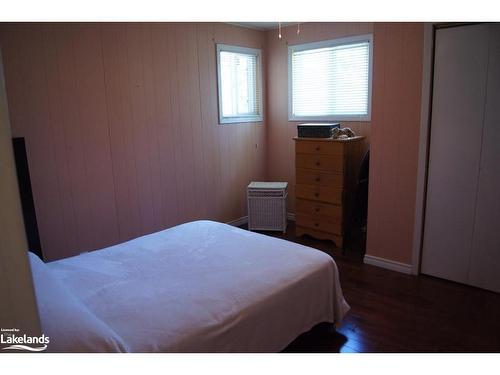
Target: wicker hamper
267	205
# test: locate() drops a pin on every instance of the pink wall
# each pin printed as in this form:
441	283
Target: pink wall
397	90
122	129
280	131
123	140
392	132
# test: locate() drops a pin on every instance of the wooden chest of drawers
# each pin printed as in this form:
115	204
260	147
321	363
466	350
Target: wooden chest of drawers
326	178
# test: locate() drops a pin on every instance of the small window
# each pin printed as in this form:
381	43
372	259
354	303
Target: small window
239	81
331	80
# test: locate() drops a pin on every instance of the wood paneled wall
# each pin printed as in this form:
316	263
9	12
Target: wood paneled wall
123	136
392	133
122	129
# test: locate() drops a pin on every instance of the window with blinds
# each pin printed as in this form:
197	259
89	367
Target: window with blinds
331	80
239	81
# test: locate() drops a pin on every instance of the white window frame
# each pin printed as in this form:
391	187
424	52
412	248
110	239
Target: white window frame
324	44
244	50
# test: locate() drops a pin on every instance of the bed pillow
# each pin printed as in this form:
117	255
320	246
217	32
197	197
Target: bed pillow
69	324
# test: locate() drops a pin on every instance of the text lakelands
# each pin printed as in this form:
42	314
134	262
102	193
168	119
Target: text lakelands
24	339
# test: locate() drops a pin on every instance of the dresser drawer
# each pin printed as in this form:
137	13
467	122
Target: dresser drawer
315	177
333	211
319	193
329	163
320	223
319	147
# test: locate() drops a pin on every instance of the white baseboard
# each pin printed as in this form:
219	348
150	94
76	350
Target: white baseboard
238	222
290	216
387	263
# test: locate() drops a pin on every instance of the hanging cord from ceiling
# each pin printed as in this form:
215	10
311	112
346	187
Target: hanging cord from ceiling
280	34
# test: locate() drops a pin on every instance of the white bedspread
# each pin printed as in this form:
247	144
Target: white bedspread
206	287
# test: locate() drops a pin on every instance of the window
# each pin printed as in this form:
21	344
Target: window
239	80
331	80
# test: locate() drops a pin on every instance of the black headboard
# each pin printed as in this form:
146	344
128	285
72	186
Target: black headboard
28	205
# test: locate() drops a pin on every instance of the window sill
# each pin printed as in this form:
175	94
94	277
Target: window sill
238	120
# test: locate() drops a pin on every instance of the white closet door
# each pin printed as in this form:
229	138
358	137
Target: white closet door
484	269
460	69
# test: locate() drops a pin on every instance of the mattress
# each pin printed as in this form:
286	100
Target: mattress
204	287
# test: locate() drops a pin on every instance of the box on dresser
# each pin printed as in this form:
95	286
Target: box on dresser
316	130
326	178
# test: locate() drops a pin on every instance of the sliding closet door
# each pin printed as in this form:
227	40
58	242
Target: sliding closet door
460	71
484	269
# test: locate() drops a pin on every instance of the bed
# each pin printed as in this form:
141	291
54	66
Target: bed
202	286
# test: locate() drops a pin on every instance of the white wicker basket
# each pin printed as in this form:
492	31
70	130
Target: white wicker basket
267	205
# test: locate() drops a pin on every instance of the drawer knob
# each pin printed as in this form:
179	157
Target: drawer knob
317	148
316	195
317	209
316	224
317	163
317	179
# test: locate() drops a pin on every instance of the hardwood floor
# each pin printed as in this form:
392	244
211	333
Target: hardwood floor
394	312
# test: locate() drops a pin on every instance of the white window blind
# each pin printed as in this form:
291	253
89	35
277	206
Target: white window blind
239	84
331	80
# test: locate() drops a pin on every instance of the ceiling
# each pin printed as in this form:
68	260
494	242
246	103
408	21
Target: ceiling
262	25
